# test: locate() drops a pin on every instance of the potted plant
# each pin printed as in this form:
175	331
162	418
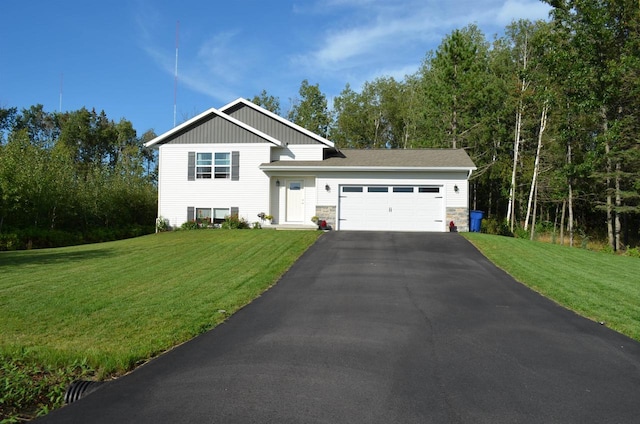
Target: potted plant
264	217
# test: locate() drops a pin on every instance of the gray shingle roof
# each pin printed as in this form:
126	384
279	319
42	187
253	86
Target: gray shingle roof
388	158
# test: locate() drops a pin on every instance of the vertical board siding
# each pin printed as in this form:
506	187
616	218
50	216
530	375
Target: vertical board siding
215	130
269	125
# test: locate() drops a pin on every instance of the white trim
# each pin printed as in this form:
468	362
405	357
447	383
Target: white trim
212	111
320	168
278	118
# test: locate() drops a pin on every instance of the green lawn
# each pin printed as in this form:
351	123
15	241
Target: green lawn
96	310
599	286
103	308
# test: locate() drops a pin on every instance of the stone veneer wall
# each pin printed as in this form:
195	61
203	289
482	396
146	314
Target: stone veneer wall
460	217
327	213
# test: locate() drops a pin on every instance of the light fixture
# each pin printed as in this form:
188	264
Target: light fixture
327	187
455	188
277	183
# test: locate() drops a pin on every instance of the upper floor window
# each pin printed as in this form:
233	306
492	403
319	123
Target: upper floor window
203	165
222	165
222	168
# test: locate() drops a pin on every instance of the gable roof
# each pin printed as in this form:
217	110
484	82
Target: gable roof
383	160
201	118
246	103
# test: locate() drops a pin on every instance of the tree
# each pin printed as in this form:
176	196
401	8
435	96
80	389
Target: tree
310	111
458	74
601	41
266	101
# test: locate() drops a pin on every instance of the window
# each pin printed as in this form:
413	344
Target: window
352	189
203	216
429	190
222	168
225	165
403	189
378	189
203	165
219	215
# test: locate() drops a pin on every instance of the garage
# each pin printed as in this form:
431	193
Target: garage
392	208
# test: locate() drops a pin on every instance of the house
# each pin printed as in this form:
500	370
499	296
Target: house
242	159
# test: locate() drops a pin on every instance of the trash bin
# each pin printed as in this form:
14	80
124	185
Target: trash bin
476	221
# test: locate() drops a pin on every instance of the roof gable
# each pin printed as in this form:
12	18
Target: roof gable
272	124
211	126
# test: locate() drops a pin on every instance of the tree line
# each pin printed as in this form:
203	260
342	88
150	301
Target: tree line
73	177
549	112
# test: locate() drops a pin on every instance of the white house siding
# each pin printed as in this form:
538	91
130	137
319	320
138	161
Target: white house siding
250	194
297	152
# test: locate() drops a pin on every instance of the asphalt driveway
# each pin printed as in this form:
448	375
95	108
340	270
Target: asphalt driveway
385	328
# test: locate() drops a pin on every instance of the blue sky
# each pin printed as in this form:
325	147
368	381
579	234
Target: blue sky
119	56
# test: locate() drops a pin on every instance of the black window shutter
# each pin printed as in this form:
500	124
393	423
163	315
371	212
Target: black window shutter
191	171
191	213
235	166
235	211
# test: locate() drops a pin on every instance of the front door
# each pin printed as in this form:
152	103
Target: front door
295	201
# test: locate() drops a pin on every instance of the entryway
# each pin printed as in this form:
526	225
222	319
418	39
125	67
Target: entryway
295	201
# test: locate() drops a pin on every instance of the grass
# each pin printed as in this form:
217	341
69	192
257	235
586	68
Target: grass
102	309
599	286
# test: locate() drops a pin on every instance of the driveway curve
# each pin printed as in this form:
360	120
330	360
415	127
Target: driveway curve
373	327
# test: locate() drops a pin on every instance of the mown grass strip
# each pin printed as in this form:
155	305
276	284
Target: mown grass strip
110	306
599	286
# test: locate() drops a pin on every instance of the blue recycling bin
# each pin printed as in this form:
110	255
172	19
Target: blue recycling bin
476	221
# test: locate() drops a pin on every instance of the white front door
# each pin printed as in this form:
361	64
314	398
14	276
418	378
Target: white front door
295	201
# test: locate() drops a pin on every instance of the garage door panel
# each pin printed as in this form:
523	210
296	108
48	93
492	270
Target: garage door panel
392	208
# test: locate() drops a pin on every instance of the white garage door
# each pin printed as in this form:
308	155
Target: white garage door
392	208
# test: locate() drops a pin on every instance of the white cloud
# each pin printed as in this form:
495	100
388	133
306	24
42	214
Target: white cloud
384	34
522	9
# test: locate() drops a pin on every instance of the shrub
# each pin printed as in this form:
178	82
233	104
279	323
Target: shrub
162	224
234	222
633	252
190	225
495	226
256	226
521	233
8	241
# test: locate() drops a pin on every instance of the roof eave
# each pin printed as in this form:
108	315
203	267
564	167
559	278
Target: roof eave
269	167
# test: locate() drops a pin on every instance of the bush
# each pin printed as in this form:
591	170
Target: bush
496	227
9	241
633	252
162	224
233	222
190	225
521	233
